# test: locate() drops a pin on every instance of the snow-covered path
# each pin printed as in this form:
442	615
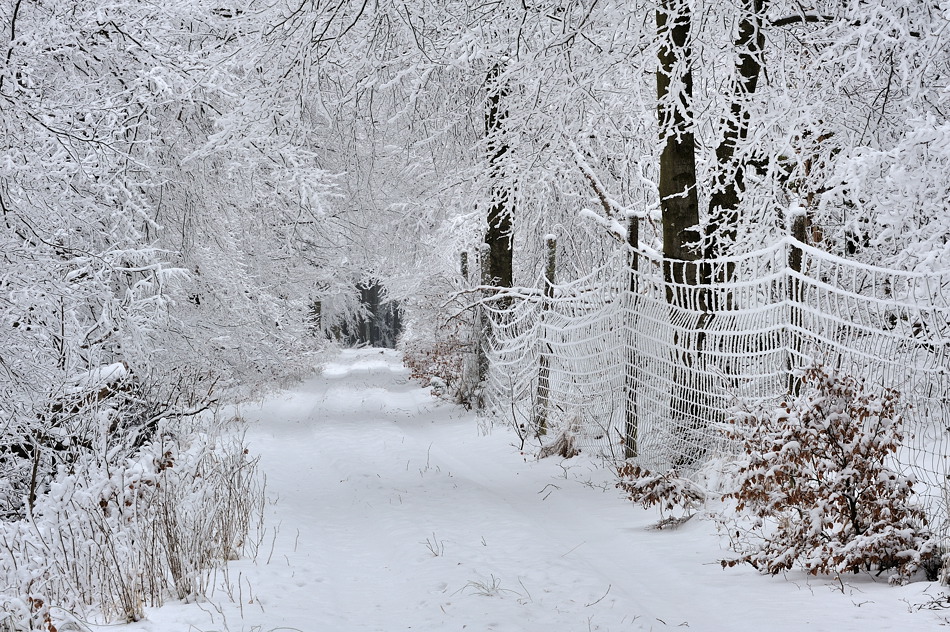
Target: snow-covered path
391	511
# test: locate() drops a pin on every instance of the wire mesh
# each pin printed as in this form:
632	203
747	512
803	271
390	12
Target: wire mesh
639	366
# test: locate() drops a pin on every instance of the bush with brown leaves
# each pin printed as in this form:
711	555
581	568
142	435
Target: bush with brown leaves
668	490
819	480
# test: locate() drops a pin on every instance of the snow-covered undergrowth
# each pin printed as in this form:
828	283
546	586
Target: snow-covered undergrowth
390	510
107	539
819	465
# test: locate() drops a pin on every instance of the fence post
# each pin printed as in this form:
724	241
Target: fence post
482	323
631	420
794	351
467	391
544	361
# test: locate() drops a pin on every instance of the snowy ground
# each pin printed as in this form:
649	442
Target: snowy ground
392	511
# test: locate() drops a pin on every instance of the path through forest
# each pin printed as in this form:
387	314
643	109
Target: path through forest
391	510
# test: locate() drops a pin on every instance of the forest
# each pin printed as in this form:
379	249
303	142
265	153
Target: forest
655	230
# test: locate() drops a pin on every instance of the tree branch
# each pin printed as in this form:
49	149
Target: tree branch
802	18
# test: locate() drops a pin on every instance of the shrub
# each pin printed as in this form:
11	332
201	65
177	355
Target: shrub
446	362
819	466
668	490
105	540
440	362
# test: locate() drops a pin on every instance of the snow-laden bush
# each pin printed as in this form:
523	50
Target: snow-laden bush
818	480
107	539
443	355
670	491
438	363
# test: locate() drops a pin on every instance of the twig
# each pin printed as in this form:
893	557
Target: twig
588	605
575	548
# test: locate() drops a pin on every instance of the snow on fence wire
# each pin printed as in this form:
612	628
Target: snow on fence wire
637	367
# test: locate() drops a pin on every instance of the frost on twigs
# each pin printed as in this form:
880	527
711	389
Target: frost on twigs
669	490
819	466
108	539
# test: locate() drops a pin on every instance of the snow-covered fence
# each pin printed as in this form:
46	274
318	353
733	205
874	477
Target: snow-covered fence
643	368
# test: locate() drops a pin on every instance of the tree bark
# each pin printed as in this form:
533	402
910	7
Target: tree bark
680	211
498	237
729	181
677	185
543	406
799	232
631	373
495	257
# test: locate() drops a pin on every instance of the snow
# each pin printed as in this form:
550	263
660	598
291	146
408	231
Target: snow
391	510
97	378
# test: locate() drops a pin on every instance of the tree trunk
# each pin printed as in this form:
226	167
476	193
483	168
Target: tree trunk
794	351
729	180
631	372
677	185
498	236
543	406
680	210
496	253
